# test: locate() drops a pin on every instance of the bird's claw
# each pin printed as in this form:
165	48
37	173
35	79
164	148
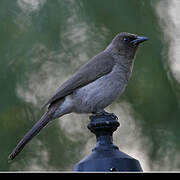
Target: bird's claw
104	113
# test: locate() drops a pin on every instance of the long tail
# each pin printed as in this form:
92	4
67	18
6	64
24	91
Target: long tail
30	134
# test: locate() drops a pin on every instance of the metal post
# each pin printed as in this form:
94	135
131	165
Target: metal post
106	156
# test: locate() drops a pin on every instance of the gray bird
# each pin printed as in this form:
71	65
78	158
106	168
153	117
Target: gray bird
93	87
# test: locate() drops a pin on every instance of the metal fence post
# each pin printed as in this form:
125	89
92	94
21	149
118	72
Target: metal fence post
106	156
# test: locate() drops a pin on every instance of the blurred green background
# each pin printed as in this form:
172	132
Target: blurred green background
43	42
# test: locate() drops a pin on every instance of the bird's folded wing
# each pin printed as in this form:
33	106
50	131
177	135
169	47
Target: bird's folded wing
98	66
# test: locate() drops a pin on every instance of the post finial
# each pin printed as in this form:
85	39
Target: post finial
106	156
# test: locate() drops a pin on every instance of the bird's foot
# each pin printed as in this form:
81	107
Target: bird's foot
104	113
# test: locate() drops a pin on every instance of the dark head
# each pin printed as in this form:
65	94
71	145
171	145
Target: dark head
126	44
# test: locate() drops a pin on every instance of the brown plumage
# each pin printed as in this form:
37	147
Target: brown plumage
93	87
86	74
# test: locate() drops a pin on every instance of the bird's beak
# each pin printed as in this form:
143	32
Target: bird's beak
139	40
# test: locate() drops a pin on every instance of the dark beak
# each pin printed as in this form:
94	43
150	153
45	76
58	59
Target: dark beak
139	40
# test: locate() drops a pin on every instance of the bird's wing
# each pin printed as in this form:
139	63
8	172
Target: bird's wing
98	66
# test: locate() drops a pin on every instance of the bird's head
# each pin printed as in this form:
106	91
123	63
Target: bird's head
126	44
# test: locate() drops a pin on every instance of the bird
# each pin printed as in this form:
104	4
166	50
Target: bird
96	85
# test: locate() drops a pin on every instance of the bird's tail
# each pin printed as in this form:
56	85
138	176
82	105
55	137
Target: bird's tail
30	134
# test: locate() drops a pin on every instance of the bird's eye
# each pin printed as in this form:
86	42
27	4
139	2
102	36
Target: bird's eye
125	39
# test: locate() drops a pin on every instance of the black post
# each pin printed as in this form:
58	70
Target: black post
106	156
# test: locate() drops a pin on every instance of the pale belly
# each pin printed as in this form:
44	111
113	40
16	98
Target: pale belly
98	94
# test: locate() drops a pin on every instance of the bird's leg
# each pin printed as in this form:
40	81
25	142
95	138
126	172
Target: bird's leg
103	112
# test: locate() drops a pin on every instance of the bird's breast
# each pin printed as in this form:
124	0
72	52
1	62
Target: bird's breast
101	92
